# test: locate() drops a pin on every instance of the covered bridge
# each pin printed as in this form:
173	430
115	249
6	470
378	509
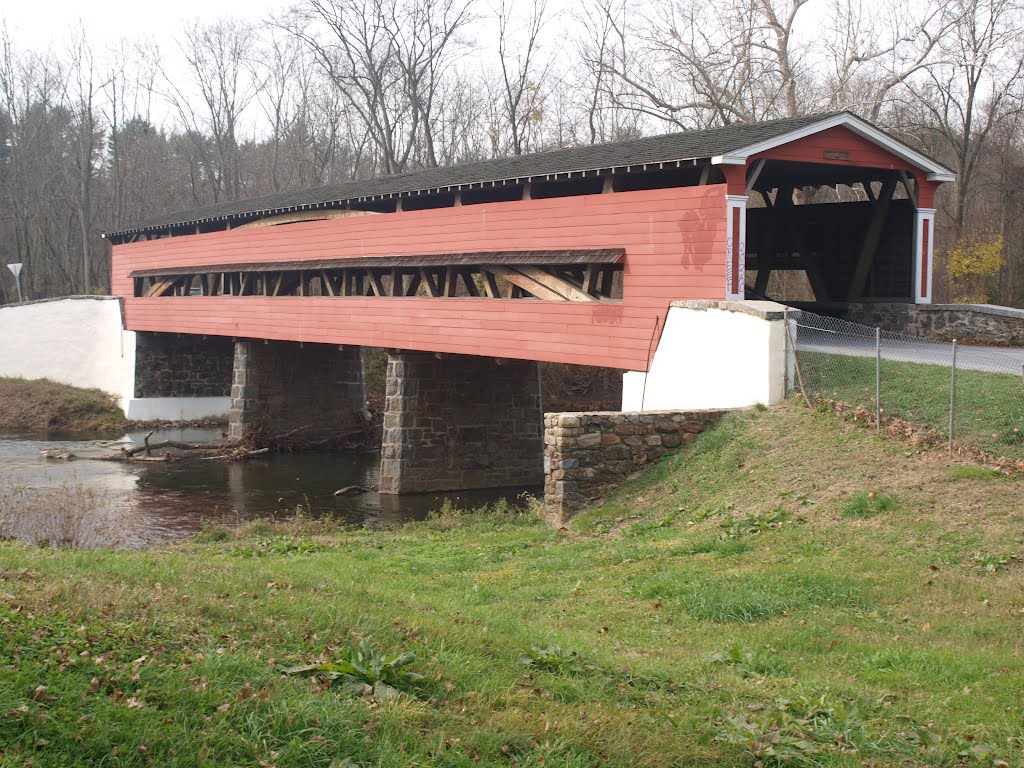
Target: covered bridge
574	255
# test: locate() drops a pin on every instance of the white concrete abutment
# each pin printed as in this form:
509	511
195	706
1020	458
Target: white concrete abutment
716	354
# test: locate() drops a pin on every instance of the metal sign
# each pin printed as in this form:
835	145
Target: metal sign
16	269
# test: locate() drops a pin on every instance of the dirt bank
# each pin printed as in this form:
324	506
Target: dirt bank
41	405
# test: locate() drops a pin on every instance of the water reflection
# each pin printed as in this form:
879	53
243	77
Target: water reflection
129	505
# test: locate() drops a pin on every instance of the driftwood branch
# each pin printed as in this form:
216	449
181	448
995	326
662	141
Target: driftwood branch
256	443
147	447
236	455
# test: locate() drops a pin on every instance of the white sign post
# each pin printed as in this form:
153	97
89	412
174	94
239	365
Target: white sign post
16	269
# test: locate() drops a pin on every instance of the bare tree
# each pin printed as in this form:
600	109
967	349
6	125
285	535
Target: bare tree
873	50
522	74
88	137
220	59
603	51
389	59
980	86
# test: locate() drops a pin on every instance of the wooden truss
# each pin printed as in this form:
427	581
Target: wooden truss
593	282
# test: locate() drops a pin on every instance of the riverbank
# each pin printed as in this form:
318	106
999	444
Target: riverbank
41	406
793	590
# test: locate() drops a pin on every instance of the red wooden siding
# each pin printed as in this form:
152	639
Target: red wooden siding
675	246
822	148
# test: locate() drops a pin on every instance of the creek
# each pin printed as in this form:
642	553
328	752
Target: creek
82	502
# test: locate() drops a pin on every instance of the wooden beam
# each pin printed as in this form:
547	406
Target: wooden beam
558	284
871	239
868	191
298	216
376	282
752	176
414	284
491	288
433	286
277	285
160	287
451	282
467	278
705	172
784	202
327	282
540	283
910	185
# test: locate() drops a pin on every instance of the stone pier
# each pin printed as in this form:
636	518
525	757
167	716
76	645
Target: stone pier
283	385
457	422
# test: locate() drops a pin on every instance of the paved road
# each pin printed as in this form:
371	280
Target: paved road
975	358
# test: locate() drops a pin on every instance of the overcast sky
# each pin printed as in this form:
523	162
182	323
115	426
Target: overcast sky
37	24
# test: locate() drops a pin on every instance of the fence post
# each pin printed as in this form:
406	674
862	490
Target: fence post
878	379
952	397
785	375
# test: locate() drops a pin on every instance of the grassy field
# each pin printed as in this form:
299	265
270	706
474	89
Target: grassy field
989	406
792	591
44	406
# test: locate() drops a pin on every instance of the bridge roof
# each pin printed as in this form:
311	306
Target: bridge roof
727	145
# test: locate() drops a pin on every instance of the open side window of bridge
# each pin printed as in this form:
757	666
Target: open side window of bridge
584	275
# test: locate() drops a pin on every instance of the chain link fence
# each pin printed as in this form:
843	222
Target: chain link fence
968	396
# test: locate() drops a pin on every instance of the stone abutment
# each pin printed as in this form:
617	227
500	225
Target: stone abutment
182	365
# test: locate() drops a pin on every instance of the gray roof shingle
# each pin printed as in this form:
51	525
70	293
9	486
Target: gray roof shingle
689	145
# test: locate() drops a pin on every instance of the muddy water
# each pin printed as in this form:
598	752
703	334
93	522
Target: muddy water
84	502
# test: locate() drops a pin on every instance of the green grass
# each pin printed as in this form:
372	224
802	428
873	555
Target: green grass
686	622
989	410
964	472
865	504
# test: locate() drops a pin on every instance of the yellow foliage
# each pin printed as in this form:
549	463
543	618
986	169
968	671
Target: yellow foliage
976	256
973	259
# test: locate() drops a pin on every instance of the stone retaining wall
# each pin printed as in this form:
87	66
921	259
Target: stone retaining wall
972	323
586	455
